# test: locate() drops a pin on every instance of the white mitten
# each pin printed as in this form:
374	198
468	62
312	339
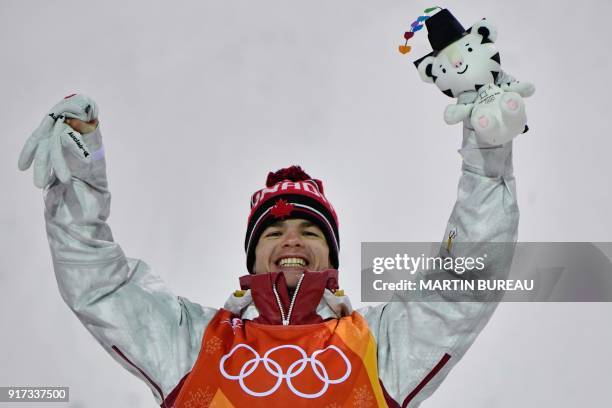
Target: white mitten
498	116
44	146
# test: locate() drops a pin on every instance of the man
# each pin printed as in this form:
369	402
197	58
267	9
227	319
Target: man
289	337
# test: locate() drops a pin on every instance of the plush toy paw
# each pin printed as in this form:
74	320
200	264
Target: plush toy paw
457	113
512	108
511	105
525	89
486	126
498	116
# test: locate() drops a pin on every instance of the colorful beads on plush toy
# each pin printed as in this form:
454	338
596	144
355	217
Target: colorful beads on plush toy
414	27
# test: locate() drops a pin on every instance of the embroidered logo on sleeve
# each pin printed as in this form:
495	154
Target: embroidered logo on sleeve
449	242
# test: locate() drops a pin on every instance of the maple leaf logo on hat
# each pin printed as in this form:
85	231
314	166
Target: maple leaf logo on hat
281	209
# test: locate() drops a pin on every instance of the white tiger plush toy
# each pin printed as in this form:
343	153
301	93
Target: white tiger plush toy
465	64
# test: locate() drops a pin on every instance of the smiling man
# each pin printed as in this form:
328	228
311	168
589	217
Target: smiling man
291	247
289	336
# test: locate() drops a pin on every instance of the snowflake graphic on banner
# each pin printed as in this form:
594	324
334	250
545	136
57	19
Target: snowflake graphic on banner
213	345
363	398
201	398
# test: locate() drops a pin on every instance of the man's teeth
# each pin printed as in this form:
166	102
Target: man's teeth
292	262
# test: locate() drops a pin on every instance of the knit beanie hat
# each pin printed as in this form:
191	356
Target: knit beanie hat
291	193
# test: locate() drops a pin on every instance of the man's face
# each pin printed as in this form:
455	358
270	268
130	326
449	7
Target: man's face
291	246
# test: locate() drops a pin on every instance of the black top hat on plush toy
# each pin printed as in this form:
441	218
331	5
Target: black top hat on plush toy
443	29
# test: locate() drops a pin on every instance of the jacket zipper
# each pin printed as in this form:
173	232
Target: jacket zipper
157	387
287	318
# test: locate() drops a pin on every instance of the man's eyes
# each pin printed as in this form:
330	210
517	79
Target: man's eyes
307	233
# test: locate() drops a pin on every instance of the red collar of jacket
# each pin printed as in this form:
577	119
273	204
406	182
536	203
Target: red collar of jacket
307	298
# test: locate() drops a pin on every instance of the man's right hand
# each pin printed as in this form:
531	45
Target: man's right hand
61	128
81	126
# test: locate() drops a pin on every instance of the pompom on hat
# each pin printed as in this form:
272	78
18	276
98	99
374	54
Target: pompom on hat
291	193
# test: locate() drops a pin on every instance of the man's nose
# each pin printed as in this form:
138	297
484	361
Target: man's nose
292	238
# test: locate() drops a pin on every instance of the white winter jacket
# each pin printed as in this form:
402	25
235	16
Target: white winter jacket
157	335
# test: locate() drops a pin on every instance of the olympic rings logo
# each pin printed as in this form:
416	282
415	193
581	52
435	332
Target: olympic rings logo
295	369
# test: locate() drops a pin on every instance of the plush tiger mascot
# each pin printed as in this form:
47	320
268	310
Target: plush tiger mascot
465	64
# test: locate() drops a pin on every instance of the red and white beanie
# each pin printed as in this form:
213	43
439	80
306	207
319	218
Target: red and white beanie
291	193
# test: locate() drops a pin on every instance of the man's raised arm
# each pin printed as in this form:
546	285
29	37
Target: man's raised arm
151	332
419	341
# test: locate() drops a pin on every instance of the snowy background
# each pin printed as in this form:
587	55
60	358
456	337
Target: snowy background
200	99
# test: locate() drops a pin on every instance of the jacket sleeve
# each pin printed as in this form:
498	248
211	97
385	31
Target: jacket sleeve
419	341
139	322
